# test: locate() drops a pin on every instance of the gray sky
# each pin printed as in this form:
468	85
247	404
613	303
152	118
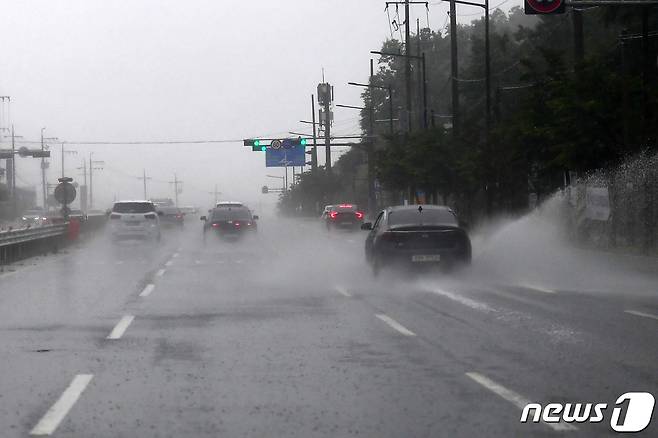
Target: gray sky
92	70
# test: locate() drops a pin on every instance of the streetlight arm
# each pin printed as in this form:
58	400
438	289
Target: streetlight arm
375	52
482	5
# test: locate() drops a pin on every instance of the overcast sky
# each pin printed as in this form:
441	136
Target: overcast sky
119	70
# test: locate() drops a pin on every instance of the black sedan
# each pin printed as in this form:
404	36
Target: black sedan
417	236
347	216
230	221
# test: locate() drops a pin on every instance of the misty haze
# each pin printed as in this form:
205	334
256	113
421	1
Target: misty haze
328	218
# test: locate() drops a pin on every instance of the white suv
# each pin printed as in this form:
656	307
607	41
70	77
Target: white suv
134	219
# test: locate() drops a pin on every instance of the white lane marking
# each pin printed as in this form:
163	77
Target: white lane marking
642	314
197	262
120	262
147	290
62	406
160	272
516	399
536	288
121	327
473	304
175	255
238	262
395	325
169	263
341	290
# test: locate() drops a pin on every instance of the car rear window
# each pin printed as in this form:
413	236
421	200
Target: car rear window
426	216
346	207
169	210
230	214
133	207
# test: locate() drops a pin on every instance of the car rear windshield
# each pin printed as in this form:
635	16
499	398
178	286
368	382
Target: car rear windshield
231	214
133	207
169	210
423	217
342	208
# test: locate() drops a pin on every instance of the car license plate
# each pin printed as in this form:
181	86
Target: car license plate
426	258
132	223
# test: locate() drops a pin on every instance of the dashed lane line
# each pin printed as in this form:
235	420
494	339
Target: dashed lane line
169	263
395	325
57	412
121	327
516	399
468	302
175	255
147	290
641	314
341	290
160	272
534	288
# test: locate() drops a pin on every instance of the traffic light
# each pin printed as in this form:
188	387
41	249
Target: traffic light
256	144
265	189
298	141
544	7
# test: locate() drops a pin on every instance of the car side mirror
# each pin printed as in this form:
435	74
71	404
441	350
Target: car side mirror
203	218
255	217
366	226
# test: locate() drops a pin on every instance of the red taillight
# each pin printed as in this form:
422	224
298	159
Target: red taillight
215	225
333	214
112	216
179	216
359	215
150	216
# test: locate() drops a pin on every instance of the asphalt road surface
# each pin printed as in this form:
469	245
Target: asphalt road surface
288	335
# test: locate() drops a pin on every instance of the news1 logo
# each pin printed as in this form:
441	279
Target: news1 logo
631	413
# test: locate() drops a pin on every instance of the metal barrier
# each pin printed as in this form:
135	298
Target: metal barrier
26	242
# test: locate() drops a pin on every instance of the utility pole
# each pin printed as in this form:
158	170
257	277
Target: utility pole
144	178
175	182
454	68
14	195
314	151
487	134
407	63
84	193
216	193
578	43
43	175
327	132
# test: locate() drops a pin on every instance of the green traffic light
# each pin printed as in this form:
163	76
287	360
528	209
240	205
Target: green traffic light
302	142
256	142
263	148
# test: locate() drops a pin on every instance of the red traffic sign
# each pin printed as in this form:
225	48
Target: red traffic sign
533	7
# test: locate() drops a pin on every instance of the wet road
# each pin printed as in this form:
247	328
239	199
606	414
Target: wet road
287	334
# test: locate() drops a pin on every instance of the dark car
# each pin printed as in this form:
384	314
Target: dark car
230	221
171	216
345	216
417	236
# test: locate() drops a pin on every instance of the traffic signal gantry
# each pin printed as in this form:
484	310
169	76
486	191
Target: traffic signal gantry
262	144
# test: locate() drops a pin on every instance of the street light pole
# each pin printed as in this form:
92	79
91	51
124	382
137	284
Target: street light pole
390	99
421	58
43	175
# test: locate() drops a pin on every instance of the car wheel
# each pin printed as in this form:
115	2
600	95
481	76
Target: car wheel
376	266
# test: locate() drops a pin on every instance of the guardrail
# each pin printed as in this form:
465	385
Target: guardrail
26	242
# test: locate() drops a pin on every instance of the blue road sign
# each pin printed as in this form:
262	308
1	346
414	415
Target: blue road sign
295	156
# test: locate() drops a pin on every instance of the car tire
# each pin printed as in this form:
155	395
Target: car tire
376	266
